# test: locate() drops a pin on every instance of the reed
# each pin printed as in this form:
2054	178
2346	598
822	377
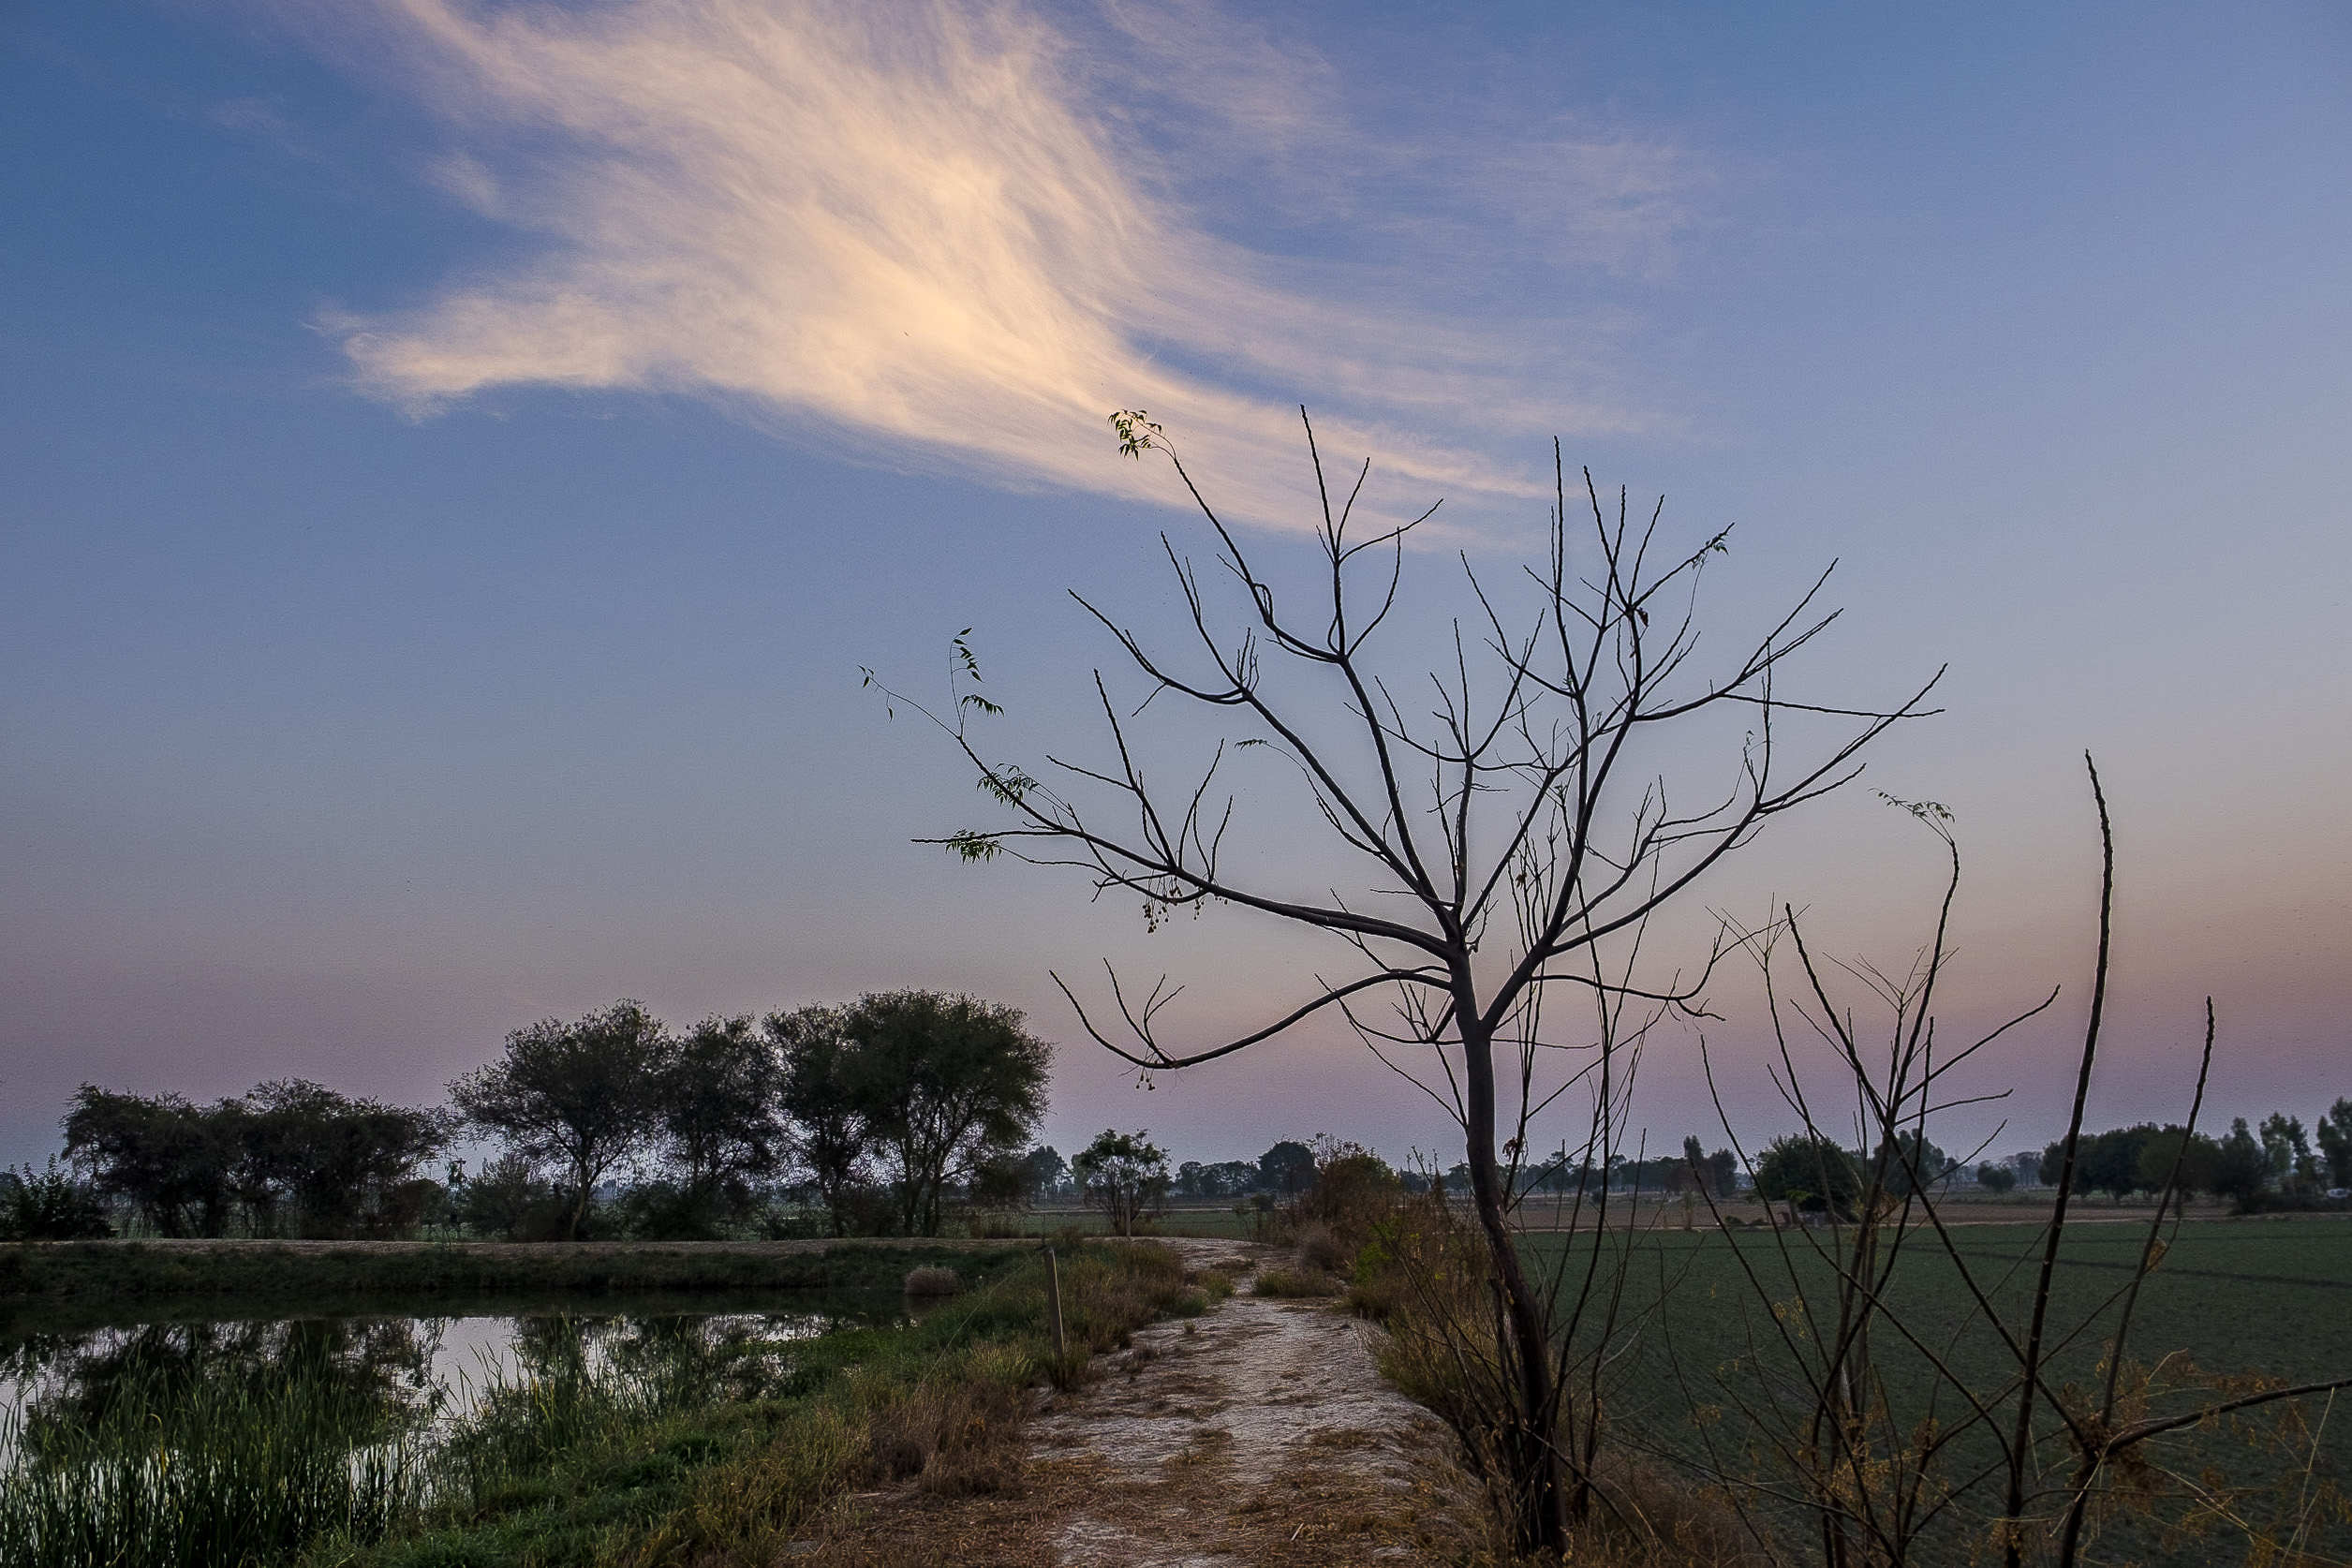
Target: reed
205	1471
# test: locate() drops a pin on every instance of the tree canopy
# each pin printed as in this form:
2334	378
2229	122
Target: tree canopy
584	1094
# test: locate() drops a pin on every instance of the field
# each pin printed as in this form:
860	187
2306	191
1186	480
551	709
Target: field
1702	1367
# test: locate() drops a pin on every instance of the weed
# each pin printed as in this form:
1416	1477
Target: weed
1297	1284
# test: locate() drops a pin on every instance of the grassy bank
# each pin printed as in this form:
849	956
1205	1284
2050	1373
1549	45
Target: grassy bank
715	1452
260	1271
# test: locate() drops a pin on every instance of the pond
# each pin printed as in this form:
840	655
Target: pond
421	1361
204	1437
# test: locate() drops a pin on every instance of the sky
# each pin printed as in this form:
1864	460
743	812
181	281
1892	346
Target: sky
460	457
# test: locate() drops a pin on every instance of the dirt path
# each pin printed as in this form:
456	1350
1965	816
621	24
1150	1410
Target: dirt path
1258	1434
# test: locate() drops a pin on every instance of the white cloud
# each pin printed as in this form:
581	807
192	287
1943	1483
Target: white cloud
941	231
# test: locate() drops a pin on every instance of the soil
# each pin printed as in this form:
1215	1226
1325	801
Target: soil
1260	1433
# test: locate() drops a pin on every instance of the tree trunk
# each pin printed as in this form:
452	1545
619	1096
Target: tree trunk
1542	1523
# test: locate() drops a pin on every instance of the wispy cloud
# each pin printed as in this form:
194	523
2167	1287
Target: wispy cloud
967	233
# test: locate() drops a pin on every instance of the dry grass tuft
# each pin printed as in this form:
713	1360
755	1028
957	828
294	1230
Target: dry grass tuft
1297	1284
1320	1250
933	1281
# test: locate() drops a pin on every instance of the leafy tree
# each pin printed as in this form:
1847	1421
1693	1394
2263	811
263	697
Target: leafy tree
2336	1142
1908	1162
1722	1173
817	1057
585	1096
1043	1170
1287	1168
1226	1178
336	1166
1811	1172
2289	1149
168	1158
508	1200
1122	1175
719	1094
944	1083
1996	1177
2109	1162
2195	1157
2243	1168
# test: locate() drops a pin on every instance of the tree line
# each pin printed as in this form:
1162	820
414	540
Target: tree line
872	1116
2272	1165
880	1117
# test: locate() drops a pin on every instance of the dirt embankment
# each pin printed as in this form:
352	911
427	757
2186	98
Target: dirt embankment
1260	1433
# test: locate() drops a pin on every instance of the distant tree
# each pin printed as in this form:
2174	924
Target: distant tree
2336	1142
1688	1173
2243	1170
821	1093
334	1166
2288	1148
946	1083
507	1200
1288	1168
585	1096
1996	1178
718	1091
168	1159
1722	1173
2109	1162
2195	1157
1811	1172
1044	1170
1908	1162
1123	1174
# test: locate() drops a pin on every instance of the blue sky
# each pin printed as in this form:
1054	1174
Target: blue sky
459	457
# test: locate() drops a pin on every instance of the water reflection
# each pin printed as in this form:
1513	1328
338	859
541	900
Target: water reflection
420	1370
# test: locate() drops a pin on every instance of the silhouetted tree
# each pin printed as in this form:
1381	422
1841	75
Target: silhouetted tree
334	1165
720	1118
944	1083
2335	1141
168	1159
1287	1168
1123	1174
2243	1170
1811	1172
820	1094
585	1095
1500	850
1044	1170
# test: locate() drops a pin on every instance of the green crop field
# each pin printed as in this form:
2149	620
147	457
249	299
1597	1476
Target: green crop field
1702	1367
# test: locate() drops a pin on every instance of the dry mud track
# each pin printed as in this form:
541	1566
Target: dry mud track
1258	1434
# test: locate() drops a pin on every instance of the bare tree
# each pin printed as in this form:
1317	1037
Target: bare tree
1509	839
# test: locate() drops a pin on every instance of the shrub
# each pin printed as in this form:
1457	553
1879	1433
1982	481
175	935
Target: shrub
933	1281
49	1206
1811	1172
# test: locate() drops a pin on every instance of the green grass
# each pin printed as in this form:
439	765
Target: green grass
213	1469
2271	1298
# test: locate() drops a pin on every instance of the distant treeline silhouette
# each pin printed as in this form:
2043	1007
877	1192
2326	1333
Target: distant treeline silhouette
886	1116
